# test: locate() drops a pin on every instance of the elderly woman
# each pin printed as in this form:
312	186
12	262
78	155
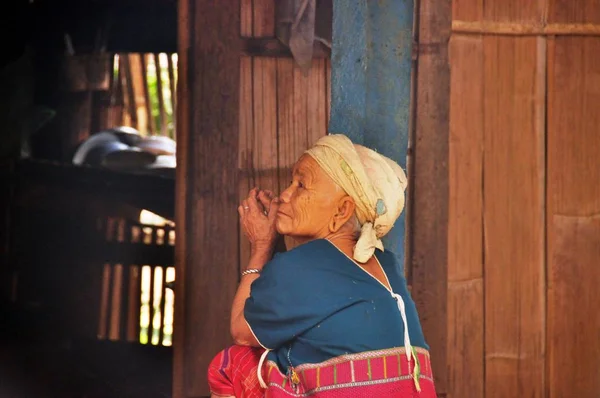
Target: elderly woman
333	316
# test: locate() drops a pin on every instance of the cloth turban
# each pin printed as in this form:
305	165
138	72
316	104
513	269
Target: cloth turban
375	183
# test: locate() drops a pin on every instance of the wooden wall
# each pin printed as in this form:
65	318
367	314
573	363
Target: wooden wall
524	206
242	122
282	111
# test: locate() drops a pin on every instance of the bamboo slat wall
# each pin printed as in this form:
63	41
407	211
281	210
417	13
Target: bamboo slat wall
282	112
142	94
524	225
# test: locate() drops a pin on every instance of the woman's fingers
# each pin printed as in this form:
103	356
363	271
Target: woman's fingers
269	194
273	209
265	200
253	204
259	201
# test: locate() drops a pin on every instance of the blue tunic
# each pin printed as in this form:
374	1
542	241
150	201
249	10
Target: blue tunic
314	303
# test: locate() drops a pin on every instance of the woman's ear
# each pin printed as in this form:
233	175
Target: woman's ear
345	210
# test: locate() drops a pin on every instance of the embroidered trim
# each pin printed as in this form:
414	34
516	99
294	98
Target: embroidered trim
345	385
359	356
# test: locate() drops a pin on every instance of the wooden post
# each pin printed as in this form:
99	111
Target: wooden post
428	182
207	188
371	69
371	91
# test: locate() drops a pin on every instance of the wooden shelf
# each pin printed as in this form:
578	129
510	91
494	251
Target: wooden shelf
152	192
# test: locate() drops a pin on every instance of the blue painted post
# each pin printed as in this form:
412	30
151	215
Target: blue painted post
370	91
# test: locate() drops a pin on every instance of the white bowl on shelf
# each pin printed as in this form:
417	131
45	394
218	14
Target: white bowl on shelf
158	145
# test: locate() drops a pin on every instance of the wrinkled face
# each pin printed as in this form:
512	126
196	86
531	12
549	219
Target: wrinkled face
309	203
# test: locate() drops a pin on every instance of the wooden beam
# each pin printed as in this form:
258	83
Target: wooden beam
206	254
272	47
525	29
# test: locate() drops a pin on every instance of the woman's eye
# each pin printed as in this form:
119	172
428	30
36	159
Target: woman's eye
300	184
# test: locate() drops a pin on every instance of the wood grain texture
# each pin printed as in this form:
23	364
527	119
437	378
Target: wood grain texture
573	138
300	109
207	192
573	217
574	319
263	18
181	197
514	10
264	160
499	10
316	102
290	144
328	78
280	109
514	219
574	11
246	134
160	94
264	100
246	145
535	28
467	10
465	220
429	211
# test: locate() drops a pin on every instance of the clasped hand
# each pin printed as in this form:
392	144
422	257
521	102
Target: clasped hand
258	213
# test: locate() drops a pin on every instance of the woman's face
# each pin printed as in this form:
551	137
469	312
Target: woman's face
309	203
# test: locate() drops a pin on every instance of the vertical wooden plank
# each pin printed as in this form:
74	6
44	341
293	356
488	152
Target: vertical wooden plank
265	160
574	83
575	11
429	183
290	146
140	91
465	220
328	79
246	142
116	97
151	303
573	193
125	303
104	311
135	292
292	142
467	10
574	319
533	11
265	124
116	303
129	94
160	93
181	365
316	109
263	18
301	116
207	187
160	287
246	136
514	80
144	59
171	71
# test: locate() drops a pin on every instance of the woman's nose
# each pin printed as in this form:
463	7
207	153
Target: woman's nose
286	195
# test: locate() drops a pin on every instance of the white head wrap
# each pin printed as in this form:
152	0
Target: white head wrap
375	182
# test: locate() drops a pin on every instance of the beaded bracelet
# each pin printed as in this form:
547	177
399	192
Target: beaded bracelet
251	271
